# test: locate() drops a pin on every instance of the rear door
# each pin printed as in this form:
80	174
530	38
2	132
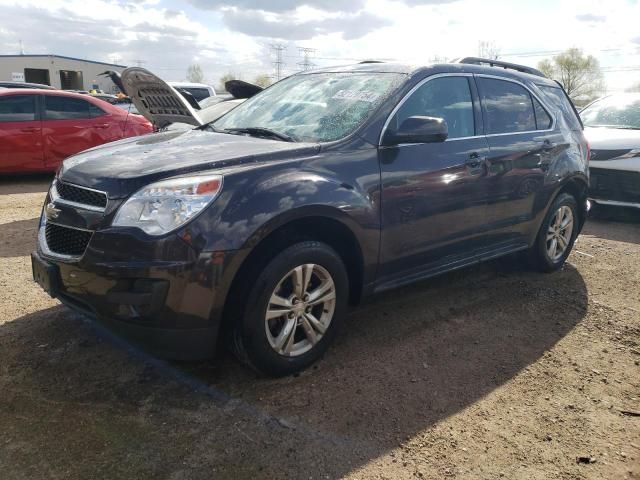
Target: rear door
20	134
71	125
434	194
522	144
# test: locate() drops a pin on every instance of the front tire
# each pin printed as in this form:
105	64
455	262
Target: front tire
294	308
557	235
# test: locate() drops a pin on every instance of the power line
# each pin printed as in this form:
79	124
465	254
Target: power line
306	63
278	48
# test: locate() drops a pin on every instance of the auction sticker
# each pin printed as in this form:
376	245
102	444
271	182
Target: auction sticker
361	95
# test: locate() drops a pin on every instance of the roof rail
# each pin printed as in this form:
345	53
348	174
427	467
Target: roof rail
499	63
371	61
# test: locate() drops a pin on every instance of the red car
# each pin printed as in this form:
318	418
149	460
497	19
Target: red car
40	128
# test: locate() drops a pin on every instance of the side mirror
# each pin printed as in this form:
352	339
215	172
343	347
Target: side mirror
418	129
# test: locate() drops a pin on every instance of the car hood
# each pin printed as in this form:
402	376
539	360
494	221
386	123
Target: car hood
612	138
122	167
156	100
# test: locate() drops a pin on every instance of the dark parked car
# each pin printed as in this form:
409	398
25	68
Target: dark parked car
258	230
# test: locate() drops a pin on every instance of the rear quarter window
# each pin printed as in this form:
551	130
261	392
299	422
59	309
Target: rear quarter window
558	99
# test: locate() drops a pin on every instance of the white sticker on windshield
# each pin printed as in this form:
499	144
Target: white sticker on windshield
362	95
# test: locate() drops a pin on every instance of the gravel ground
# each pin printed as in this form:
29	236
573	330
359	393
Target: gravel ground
491	372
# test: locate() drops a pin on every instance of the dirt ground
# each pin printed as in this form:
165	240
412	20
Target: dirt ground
487	373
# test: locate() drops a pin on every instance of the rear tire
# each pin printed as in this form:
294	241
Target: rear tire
294	308
557	235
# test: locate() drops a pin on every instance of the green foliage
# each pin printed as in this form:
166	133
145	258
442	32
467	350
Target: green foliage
263	80
194	74
579	74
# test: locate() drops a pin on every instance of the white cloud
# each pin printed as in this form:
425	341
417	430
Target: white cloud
169	35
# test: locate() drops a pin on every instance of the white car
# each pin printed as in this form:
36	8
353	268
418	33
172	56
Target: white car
200	91
612	127
163	105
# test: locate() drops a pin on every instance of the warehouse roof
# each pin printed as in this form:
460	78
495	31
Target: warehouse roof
62	56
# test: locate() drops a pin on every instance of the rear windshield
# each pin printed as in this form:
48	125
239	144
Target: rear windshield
198	93
560	100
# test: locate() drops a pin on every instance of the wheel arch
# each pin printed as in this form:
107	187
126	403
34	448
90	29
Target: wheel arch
323	224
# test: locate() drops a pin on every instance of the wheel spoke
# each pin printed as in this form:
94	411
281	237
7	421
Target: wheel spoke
566	222
301	279
315	323
563	242
323	293
311	334
553	248
280	301
285	337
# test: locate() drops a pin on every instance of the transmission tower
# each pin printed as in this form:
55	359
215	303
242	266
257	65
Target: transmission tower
306	63
278	48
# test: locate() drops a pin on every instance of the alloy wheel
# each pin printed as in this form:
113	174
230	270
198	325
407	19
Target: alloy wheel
559	233
300	310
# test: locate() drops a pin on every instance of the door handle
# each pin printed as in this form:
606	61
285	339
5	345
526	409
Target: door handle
547	145
476	164
102	125
29	129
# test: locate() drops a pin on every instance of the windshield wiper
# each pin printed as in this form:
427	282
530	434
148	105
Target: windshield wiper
261	132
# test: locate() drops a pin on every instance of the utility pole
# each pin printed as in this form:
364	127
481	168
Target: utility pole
21	48
306	63
278	48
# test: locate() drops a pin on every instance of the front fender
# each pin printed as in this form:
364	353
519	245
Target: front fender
255	203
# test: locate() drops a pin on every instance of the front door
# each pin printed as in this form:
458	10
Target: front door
20	134
71	125
434	194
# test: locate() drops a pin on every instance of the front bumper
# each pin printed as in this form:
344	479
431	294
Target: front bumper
614	187
173	309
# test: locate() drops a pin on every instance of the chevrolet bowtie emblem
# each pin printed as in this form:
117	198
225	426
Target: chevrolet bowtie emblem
51	212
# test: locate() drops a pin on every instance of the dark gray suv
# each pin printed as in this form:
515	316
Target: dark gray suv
257	230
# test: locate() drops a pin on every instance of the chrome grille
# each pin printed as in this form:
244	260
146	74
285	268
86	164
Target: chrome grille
66	240
76	194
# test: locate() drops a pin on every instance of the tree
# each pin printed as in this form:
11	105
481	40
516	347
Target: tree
263	80
579	74
488	50
194	74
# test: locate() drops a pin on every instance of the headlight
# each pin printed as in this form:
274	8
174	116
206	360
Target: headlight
163	206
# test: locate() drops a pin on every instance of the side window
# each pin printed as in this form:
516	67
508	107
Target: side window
507	105
18	108
95	111
65	108
444	97
543	120
557	98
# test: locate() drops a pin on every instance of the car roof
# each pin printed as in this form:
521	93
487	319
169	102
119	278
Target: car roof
25	85
41	91
408	69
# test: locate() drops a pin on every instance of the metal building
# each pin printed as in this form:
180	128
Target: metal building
67	73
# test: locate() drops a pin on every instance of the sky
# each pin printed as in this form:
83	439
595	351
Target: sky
225	36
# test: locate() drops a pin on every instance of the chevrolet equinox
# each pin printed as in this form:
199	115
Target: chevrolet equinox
257	230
